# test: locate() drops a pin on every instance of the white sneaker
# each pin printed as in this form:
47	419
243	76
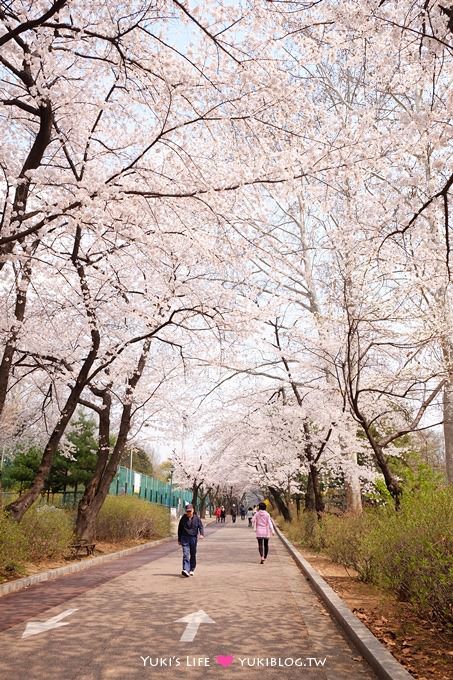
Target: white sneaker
190	573
185	573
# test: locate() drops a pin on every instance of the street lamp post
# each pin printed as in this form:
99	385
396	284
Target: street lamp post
130	471
172	469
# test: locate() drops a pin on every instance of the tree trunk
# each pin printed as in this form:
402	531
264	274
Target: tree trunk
87	515
195	489
89	507
106	466
98	487
448	426
319	502
352	488
18	508
22	285
391	482
203	498
309	505
33	161
280	503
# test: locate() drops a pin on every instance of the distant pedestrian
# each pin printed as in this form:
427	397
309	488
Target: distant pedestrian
234	513
190	525
250	513
242	511
264	528
222	514
217	513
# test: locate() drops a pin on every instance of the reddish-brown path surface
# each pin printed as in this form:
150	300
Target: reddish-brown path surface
121	619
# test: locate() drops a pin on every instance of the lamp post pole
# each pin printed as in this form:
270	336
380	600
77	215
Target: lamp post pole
130	472
171	486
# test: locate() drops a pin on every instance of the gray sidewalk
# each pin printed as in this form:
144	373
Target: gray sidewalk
263	614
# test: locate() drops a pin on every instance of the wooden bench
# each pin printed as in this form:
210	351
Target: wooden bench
82	545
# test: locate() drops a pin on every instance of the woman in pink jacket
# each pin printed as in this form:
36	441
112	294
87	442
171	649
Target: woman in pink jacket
264	528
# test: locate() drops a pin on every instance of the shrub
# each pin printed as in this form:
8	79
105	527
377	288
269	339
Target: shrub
12	547
48	531
128	517
414	551
346	541
409	552
304	530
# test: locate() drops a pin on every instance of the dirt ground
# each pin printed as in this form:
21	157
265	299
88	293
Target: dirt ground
419	645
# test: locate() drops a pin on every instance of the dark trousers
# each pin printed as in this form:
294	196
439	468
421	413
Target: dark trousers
189	553
263	546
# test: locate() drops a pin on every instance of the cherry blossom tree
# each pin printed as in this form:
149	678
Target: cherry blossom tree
181	176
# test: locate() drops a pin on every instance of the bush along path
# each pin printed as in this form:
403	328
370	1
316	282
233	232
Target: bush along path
42	540
416	642
395	569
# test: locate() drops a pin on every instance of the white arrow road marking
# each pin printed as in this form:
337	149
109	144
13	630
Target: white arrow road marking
193	622
36	627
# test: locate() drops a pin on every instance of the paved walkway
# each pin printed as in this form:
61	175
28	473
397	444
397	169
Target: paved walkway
123	619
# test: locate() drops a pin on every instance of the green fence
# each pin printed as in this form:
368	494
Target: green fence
128	481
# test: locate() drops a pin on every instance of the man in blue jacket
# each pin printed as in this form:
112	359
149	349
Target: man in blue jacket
190	525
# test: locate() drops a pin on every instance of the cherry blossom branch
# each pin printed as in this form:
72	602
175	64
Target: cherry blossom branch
32	23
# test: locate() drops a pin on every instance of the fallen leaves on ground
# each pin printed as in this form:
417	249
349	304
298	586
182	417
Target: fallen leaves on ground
419	645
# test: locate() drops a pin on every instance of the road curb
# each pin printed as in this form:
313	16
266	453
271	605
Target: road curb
52	574
383	663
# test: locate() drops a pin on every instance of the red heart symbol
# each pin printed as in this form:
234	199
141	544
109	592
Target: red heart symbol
224	660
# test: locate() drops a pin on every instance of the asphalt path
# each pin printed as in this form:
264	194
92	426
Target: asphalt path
122	619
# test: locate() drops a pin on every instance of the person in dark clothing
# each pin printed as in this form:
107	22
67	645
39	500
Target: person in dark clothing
190	525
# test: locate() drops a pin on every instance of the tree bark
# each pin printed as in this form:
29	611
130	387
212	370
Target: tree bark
309	505
98	487
18	508
280	503
391	482
448	427
87	509
317	493
447	402
195	489
352	488
22	285
203	497
32	162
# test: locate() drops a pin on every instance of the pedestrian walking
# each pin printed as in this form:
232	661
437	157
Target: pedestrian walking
189	527
250	513
234	513
217	513
264	528
222	514
242	511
